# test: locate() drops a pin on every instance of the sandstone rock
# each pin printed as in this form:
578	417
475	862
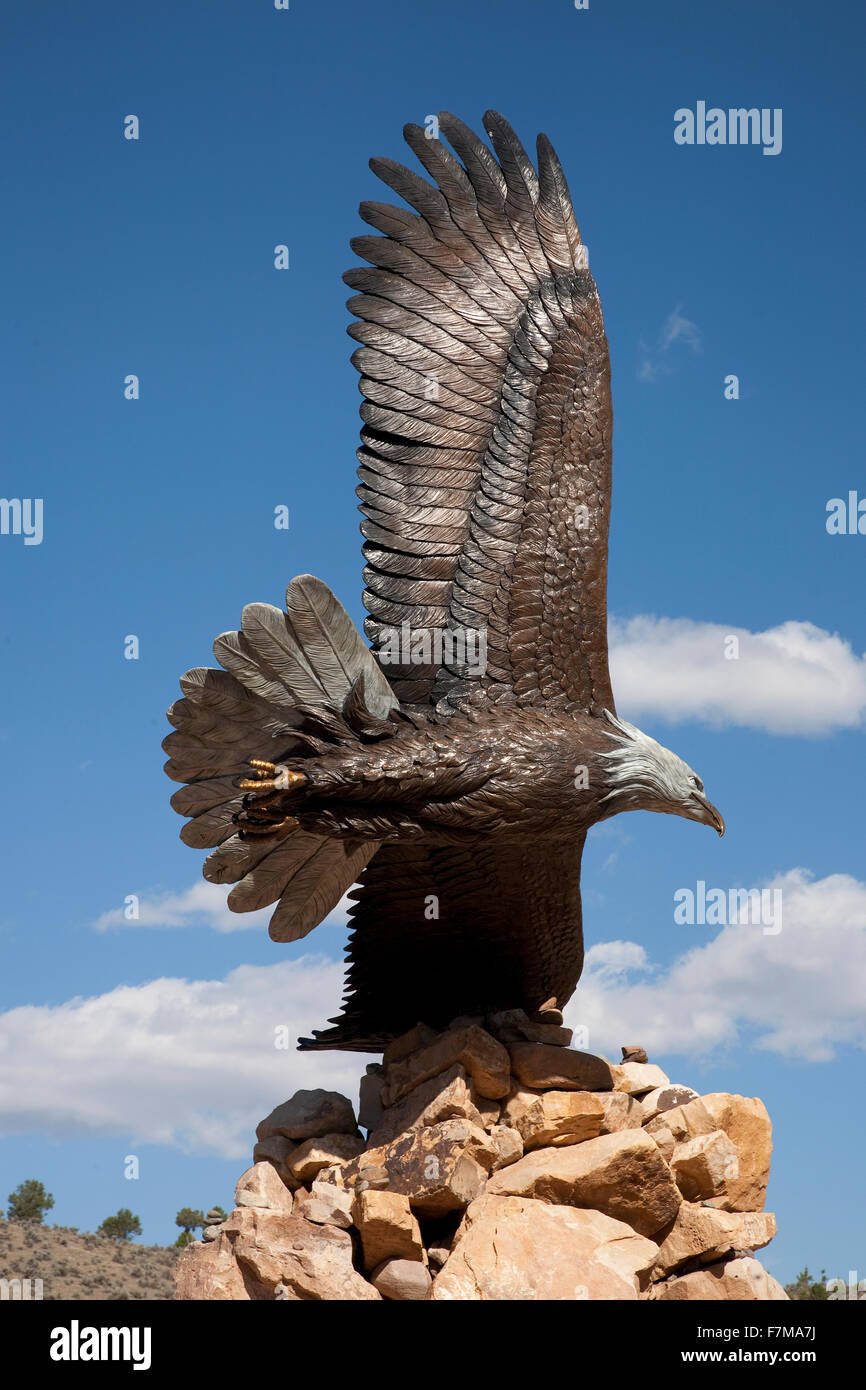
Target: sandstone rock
387	1228
707	1234
512	1025
437	1255
633	1052
622	1175
636	1078
703	1166
440	1169
370	1096
548	1013
485	1060
489	1110
402	1280
407	1043
665	1098
736	1281
518	1248
373	1175
276	1150
326	1205
308	1115
444	1097
508	1145
546	1068
467	1021
262	1186
314	1154
684	1121
211	1232
292	1259
621	1111
209	1272
666	1142
747	1124
553	1118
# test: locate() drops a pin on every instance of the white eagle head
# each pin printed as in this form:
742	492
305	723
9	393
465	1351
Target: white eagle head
645	776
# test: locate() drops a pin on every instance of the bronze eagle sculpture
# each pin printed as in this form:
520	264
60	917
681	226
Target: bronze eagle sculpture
451	770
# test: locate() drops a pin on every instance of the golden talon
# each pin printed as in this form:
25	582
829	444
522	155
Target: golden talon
278	777
252	831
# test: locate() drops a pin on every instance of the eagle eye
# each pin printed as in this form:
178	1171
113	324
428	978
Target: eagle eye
698	783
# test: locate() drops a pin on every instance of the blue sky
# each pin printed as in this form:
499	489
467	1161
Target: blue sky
155	257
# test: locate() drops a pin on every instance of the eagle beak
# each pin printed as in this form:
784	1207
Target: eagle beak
707	814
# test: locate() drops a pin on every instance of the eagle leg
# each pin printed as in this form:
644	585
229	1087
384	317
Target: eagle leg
264	815
271	777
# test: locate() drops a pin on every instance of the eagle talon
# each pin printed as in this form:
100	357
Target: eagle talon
264	832
271	777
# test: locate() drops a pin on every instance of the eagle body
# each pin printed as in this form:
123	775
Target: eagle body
449	797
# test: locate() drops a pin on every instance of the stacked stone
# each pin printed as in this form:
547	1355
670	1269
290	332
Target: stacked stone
499	1164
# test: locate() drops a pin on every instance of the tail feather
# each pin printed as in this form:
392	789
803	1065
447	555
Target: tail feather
312	655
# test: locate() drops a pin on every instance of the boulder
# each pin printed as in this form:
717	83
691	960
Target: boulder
508	1145
519	1248
621	1111
545	1068
704	1166
308	1115
489	1110
735	1281
289	1258
746	1122
262	1186
326	1205
513	1025
706	1234
209	1272
684	1121
665	1098
637	1078
444	1097
553	1118
277	1150
440	1169
482	1057
622	1175
666	1142
633	1052
407	1043
387	1228
313	1155
402	1280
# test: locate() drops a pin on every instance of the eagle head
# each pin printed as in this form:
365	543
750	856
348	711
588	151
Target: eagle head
645	776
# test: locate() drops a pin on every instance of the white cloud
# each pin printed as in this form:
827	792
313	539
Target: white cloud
654	360
799	993
192	1063
202	905
792	679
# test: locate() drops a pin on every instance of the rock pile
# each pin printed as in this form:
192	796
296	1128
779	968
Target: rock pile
500	1164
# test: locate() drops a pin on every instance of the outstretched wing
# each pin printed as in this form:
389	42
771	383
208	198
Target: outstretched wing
486	446
430	939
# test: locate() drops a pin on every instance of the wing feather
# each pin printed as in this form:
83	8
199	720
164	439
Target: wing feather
485	377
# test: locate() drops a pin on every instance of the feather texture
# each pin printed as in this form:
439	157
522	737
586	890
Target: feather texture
485	460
